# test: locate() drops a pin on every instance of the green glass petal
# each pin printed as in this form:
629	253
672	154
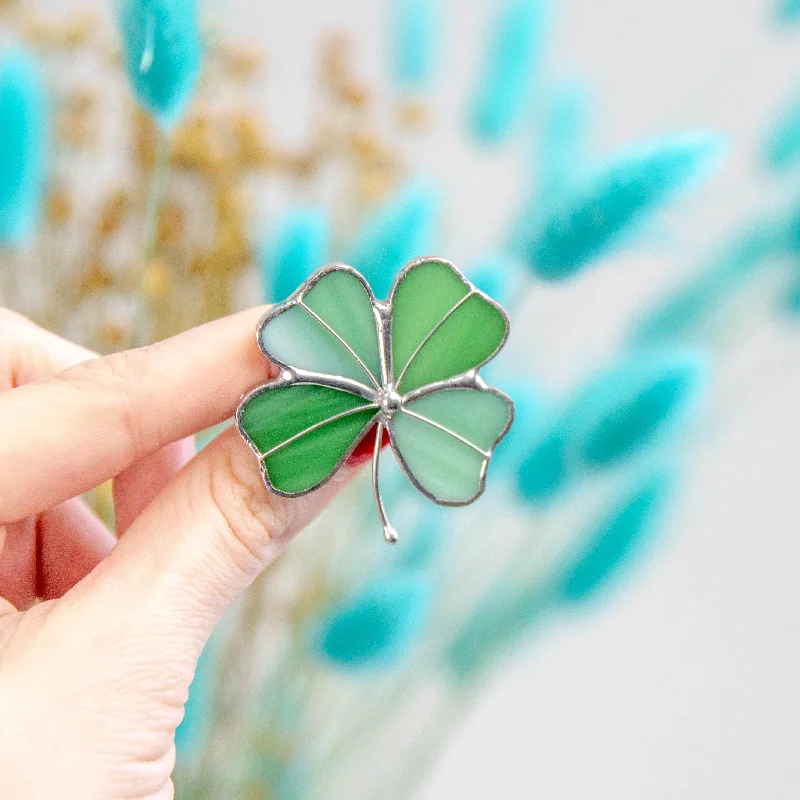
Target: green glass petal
469	337
440	326
296	339
340	298
425	294
477	415
447	469
309	460
278	412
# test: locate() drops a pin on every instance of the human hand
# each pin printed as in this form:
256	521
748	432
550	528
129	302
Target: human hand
94	678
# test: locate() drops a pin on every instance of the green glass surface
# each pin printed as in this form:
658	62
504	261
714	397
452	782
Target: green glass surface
471	335
309	460
420	302
298	340
341	300
277	413
478	416
445	467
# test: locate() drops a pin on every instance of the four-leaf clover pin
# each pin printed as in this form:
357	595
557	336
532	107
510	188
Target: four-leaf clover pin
408	366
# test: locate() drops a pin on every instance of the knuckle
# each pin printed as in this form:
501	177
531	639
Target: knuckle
253	521
122	376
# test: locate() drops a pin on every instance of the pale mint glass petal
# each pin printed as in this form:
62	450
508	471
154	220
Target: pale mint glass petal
477	415
340	298
448	470
295	339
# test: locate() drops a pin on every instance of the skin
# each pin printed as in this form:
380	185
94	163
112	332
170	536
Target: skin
99	635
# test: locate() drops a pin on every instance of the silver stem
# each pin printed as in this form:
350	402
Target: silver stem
389	533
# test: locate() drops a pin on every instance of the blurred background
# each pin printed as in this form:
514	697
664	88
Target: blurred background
622	176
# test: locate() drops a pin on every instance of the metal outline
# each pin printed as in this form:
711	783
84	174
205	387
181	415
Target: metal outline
471	379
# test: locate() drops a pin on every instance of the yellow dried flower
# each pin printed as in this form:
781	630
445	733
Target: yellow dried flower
59	205
95	278
112	213
156	279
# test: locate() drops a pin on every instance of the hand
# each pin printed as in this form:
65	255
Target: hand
94	678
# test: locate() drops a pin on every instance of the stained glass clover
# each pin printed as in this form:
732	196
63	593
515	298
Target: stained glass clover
352	365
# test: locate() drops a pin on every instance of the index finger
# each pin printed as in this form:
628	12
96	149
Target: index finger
65	434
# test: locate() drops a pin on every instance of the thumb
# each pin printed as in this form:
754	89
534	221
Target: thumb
199	545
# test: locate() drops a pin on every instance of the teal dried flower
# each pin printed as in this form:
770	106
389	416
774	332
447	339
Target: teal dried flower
636	405
615	540
502	621
418	550
300	247
494	275
162	52
402	229
514	49
379	626
681	315
608	205
527	427
23	147
787	11
414	36
782	146
546	471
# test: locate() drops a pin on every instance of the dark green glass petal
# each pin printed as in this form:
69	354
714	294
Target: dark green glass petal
469	337
419	302
326	422
309	460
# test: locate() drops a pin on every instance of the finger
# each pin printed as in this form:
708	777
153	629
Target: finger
136	487
29	352
18	564
200	544
72	542
63	435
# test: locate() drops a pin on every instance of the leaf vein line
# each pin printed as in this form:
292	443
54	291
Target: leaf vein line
341	341
445	429
315	426
428	336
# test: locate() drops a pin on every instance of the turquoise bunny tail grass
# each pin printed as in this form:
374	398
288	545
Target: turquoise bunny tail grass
299	245
513	53
23	134
606	206
414	33
639	404
612	544
378	627
162	50
399	230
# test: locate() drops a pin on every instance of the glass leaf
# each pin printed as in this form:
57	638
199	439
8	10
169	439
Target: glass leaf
441	326
329	327
445	439
303	432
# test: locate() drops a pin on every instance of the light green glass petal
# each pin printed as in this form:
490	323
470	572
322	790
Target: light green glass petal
341	300
477	415
448	470
294	338
419	302
304	430
467	338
